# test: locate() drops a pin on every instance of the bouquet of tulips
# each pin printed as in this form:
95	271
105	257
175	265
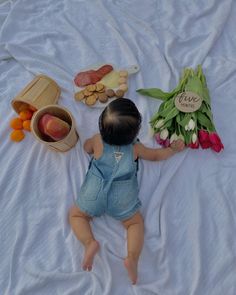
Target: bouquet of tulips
194	126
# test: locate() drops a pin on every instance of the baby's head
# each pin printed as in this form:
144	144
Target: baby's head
120	122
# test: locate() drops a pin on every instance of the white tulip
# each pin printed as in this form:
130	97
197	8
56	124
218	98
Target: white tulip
159	123
191	124
194	137
164	134
173	137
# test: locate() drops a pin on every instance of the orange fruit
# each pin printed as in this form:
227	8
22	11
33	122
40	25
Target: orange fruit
26	125
25	115
16	123
17	135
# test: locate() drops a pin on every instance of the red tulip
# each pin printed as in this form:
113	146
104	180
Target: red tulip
204	140
216	143
167	143
162	142
158	139
194	145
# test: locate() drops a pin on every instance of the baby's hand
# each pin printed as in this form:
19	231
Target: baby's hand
177	145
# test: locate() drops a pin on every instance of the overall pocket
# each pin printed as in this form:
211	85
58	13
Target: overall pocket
124	193
91	187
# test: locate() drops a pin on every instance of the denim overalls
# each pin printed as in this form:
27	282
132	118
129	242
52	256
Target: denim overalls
111	185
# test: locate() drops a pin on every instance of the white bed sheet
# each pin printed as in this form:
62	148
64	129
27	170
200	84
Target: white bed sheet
189	201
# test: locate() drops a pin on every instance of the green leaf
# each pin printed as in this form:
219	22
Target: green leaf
156	93
189	137
173	113
185	120
157	114
155	118
166	110
201	75
206	110
186	135
194	84
178	118
162	105
206	96
204	121
168	124
163	111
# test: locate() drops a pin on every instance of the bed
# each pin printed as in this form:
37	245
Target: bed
188	201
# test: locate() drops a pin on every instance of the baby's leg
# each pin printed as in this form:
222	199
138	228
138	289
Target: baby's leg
135	233
79	222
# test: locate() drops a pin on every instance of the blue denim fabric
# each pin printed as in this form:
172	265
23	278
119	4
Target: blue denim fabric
111	185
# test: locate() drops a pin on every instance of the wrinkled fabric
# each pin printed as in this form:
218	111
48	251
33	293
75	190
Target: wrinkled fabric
188	201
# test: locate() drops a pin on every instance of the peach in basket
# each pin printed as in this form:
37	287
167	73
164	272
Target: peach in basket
52	127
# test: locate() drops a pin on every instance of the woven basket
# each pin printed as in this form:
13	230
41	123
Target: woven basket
41	91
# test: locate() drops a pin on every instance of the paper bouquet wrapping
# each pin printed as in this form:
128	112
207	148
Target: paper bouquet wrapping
185	113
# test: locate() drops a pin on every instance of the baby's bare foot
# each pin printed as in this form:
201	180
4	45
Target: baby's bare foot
90	250
131	264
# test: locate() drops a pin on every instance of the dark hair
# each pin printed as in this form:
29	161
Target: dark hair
120	122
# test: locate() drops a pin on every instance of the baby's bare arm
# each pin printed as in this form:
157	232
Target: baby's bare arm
93	145
88	145
159	154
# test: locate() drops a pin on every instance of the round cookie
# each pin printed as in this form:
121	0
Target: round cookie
79	95
120	93
91	87
87	92
100	87
123	87
102	97
90	100
96	94
110	93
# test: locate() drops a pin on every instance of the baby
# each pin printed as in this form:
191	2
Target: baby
111	185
